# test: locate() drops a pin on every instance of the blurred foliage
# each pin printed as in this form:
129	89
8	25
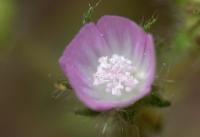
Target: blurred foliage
7	11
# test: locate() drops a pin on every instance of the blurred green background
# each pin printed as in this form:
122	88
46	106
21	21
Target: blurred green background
33	35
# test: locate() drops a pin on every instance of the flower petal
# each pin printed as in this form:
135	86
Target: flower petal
80	58
148	64
122	35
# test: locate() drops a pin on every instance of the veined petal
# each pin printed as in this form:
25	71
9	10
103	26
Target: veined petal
122	35
80	57
148	64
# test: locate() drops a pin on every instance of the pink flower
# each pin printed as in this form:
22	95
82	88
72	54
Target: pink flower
110	64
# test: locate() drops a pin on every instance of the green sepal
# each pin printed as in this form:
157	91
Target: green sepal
156	100
147	25
153	100
87	16
64	83
87	112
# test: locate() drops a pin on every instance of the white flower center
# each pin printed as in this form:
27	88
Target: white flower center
117	73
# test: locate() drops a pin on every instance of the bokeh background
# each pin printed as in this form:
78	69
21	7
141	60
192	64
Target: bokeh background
33	35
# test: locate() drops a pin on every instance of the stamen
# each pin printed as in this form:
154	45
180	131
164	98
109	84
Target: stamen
117	73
